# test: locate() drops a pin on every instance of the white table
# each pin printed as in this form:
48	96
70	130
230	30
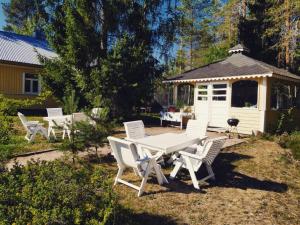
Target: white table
164	144
57	121
167	143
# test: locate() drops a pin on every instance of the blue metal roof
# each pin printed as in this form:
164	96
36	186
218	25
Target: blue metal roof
23	49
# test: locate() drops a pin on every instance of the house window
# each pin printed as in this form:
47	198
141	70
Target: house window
185	94
219	92
31	84
283	96
244	94
202	93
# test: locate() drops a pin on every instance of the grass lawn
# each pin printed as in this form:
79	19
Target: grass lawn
20	145
257	183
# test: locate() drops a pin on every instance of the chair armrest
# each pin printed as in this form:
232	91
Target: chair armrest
193	156
32	122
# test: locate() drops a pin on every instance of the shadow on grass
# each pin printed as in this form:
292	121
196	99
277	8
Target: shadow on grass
128	217
227	177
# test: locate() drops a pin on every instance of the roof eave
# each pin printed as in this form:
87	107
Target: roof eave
219	78
20	64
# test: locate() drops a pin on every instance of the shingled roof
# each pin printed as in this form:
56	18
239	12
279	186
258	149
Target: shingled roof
21	49
235	66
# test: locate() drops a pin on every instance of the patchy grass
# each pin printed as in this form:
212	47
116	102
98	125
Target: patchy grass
18	144
254	186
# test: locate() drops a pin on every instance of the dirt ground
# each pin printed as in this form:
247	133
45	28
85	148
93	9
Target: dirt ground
256	184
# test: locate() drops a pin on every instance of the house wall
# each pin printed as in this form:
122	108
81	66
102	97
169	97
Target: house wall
11	83
272	115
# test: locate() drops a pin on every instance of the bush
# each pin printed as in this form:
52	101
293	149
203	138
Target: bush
6	129
292	142
55	193
10	107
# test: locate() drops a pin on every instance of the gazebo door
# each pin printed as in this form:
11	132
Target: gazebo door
211	103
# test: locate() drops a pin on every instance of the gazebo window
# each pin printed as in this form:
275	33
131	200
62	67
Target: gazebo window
244	94
185	94
283	96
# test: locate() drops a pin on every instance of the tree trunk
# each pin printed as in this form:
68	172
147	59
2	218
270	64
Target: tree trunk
244	8
287	32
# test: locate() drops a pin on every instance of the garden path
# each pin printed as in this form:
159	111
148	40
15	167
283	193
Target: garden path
56	154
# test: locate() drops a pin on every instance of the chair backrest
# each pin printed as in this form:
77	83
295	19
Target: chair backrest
54	112
135	129
124	152
23	120
211	149
80	116
196	128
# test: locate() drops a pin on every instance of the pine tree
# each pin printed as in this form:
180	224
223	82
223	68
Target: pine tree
24	16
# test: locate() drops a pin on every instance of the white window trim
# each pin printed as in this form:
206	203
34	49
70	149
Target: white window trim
31	93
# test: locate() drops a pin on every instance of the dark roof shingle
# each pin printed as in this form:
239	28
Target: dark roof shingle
235	65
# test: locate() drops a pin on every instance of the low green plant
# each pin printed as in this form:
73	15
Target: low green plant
56	193
94	131
286	122
6	129
10	106
291	141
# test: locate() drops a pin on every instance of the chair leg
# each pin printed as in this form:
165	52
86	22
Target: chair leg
144	181
178	166
32	137
210	171
192	172
158	173
119	174
44	132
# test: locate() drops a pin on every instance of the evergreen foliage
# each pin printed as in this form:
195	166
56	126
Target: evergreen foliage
55	193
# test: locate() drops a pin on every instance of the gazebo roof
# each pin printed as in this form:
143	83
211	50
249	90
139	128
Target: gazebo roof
235	66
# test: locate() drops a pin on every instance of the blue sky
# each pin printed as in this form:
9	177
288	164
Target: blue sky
2	19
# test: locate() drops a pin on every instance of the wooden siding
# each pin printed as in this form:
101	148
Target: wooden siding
11	83
249	119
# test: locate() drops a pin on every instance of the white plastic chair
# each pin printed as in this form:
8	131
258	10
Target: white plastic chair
55	124
194	128
52	112
135	130
127	157
195	157
32	128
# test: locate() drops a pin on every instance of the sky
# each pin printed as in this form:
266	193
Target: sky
2	18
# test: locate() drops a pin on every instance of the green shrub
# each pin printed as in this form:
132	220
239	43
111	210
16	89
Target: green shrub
9	106
55	193
6	129
292	142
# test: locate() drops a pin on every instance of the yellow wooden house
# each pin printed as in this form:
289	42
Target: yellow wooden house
20	66
239	87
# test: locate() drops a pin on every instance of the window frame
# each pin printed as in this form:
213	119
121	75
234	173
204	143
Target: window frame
31	92
219	97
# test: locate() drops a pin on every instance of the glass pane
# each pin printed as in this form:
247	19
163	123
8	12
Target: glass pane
244	94
31	76
202	98
27	86
219	98
219	86
220	92
35	86
185	94
202	92
202	86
